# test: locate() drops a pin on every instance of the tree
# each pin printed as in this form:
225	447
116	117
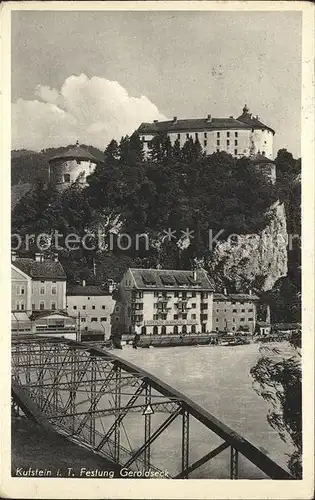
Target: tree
278	379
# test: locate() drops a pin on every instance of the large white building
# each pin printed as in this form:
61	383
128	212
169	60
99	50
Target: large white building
95	309
242	136
156	301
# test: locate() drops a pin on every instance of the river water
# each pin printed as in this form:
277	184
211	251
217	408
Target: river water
218	378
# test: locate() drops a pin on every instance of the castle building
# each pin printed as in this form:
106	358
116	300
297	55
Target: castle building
234	312
242	136
156	301
75	164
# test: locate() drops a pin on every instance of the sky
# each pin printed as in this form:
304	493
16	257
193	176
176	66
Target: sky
94	76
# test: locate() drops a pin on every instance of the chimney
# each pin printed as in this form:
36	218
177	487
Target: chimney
13	255
38	257
83	282
209	118
175	119
56	257
225	291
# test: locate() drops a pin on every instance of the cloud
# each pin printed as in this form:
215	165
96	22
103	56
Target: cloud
93	110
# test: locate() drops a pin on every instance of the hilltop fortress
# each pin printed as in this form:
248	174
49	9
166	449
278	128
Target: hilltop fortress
243	136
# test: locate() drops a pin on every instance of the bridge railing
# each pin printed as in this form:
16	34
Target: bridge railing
118	410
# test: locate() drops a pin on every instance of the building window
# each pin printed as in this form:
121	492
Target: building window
218	142
217	328
83	307
204	295
175	316
204	317
53	306
178	137
74	307
228	134
242	310
22	290
93	320
205	143
155	330
242	319
218	134
193	305
233	328
33	307
193	316
196	135
104	319
235	152
103	307
233	320
155	317
227	143
235	142
193	329
93	307
184	315
156	294
205	135
203	328
193	294
234	310
42	306
54	290
250	319
236	134
42	290
117	318
218	151
66	178
82	320
187	135
204	306
217	320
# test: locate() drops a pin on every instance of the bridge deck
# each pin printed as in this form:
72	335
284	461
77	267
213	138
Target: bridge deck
36	448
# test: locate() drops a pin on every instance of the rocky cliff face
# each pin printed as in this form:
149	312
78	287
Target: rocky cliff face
253	260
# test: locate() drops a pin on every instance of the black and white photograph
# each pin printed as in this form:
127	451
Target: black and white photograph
155	277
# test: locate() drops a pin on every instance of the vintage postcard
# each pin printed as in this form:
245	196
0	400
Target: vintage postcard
157	250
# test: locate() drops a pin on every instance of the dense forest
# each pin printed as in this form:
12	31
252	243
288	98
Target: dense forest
176	188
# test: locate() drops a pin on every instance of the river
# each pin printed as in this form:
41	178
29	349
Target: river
218	378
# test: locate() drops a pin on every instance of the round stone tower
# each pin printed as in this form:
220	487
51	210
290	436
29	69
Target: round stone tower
74	164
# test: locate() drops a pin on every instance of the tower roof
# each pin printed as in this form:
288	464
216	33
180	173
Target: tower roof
252	121
76	152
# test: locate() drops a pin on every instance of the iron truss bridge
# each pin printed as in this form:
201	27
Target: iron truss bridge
125	414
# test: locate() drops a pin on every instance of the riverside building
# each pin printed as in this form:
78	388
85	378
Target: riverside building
156	301
95	309
234	312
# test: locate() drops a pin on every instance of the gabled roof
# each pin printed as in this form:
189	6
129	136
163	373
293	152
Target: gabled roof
191	124
76	152
86	290
48	269
259	159
169	279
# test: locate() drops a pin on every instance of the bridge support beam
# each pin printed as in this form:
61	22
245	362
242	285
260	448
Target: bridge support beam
147	428
185	444
117	420
234	464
